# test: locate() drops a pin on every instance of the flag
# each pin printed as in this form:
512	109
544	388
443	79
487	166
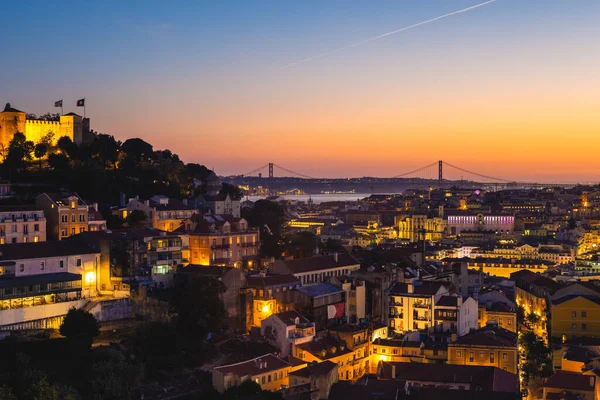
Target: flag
81	103
58	103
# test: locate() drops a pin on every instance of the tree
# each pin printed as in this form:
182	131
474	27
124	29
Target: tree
269	217
137	219
106	148
157	346
80	325
301	244
200	310
112	376
66	146
40	151
249	390
233	191
44	390
18	153
137	149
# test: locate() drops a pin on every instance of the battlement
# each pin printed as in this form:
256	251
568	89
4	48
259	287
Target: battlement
41	122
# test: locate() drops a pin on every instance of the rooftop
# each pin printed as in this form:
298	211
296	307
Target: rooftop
487	336
571	381
62	248
289	317
318	263
255	366
319	290
318	369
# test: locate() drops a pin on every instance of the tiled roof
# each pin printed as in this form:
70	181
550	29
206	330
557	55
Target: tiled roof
289	317
421	288
255	281
20	207
172	205
318	369
62	248
488	336
447	301
564	299
326	343
318	263
570	381
254	367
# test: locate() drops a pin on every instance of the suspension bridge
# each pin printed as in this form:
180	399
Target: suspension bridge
440	173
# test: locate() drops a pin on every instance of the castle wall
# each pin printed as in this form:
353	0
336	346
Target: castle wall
35	130
10	123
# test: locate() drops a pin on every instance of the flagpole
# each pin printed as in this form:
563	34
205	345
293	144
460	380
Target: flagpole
84	107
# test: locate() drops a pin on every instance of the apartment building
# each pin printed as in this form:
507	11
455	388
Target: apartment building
267	294
224	241
22	224
41	281
268	371
489	346
287	329
66	215
317	269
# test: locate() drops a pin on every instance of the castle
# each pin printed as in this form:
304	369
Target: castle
12	121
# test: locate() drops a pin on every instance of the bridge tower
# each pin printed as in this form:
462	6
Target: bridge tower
270	179
440	173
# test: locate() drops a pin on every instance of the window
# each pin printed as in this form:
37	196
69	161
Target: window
504	356
509	322
574	326
491	358
24	239
82	229
73	203
64	218
36	227
22	267
269	378
79	262
14	240
63	233
471	356
73	218
574	314
481	354
72	231
42	266
14	228
62	264
81	217
583	327
263	379
584	314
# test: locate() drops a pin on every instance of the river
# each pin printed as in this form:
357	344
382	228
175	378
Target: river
320	198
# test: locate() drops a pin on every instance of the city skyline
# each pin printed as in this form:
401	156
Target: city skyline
507	89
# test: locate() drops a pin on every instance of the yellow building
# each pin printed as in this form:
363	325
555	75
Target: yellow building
66	215
269	371
12	121
575	315
352	365
489	346
500	313
398	350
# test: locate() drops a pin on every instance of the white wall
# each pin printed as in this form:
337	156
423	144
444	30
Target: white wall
9	317
468	316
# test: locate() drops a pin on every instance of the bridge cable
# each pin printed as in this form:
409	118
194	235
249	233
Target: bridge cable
416	170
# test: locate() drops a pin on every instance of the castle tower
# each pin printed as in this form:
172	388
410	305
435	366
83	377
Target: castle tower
71	125
11	122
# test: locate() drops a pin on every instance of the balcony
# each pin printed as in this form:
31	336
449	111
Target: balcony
220	261
421	305
249	244
421	318
220	247
396	315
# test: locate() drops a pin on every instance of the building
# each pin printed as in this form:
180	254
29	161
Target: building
12	121
330	348
233	279
41	281
227	241
425	305
267	294
66	215
96	221
321	377
323	303
414	227
269	371
134	257
454	377
570	385
164	213
460	221
503	267
399	350
575	315
317	269
355	289
358	339
22	224
287	329
501	313
488	346
219	204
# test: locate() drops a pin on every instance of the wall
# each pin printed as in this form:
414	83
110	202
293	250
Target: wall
564	323
10	123
504	358
8	317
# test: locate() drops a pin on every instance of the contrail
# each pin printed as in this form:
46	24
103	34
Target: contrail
389	33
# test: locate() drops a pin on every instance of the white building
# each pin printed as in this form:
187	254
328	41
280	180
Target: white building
467	221
22	224
318	269
287	329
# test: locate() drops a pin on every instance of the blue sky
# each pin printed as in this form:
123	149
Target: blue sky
210	74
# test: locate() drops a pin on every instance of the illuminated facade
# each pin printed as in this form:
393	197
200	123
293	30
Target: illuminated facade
490	346
36	277
12	121
164	213
66	215
467	221
268	371
575	315
22	224
410	228
352	365
267	295
287	329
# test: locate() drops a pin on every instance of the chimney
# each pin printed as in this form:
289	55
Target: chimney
335	257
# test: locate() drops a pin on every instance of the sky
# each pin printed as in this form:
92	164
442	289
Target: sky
510	89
